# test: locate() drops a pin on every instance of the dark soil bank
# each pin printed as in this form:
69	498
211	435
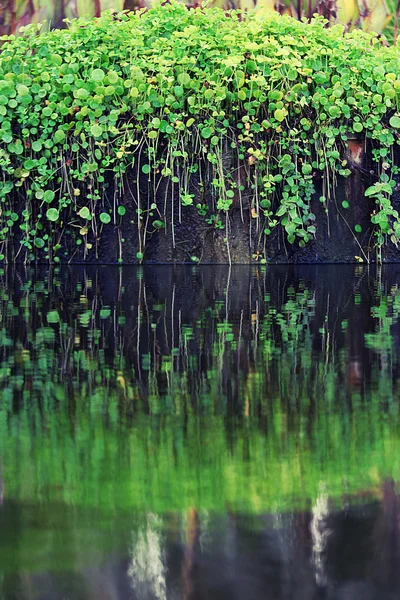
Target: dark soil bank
192	240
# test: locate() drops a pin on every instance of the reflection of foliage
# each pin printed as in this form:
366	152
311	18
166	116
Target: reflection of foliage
127	405
387	313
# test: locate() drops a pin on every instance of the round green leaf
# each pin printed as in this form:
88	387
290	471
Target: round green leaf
112	76
105	218
98	74
279	114
207	132
179	91
84	213
159	224
82	93
395	122
56	60
59	136
53	316
184	79
52	214
48	196
22	90
96	130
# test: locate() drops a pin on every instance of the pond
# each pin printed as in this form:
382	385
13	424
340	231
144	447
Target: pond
200	433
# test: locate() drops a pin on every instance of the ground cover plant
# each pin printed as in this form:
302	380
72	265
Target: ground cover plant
198	104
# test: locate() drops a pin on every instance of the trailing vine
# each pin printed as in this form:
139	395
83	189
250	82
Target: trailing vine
197	105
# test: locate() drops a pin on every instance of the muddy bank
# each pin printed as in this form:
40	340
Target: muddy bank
344	232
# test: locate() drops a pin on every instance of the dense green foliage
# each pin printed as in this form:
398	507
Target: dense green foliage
194	103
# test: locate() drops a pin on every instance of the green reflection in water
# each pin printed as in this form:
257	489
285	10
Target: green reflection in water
160	390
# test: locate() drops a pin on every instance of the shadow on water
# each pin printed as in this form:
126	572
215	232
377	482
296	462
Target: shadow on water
205	432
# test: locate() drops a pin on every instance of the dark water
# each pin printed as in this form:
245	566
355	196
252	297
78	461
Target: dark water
200	433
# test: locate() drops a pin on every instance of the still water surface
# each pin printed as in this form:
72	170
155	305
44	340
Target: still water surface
200	433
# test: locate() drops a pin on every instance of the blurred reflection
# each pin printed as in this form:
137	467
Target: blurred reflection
147	570
199	433
319	535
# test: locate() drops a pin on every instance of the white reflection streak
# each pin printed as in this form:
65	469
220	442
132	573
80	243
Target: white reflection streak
319	534
147	570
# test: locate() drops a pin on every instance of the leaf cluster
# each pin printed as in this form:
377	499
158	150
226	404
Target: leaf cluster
167	94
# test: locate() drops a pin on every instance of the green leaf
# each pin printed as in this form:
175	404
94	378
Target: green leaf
280	114
52	214
48	196
395	122
53	317
158	224
84	213
121	211
371	191
56	60
334	111
206	132
184	79
22	90
82	93
112	76
146	169
59	136
105	218
96	130
98	74
179	91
